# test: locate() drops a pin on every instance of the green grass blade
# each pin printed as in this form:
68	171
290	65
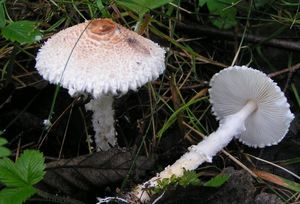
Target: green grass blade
294	89
173	117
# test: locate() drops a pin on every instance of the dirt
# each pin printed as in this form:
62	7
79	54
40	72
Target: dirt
239	189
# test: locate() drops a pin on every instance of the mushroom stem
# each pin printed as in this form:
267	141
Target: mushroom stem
231	126
103	122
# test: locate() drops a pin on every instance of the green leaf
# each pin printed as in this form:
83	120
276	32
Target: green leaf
16	195
9	174
225	20
28	169
3	141
4	152
31	165
22	32
223	12
142	6
2	15
217	181
189	178
19	177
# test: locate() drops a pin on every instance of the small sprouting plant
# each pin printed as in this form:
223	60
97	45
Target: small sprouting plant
190	178
20	176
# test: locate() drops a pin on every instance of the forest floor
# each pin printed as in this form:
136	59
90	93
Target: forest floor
264	35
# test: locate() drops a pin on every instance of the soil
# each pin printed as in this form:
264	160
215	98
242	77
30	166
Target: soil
240	188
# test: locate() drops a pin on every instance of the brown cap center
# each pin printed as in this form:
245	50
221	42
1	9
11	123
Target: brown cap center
102	26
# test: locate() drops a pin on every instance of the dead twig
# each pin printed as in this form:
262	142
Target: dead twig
190	27
289	69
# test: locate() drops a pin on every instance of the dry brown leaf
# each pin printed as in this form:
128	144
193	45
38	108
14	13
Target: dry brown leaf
270	177
91	172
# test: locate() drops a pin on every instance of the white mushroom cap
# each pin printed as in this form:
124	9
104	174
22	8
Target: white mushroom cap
233	87
104	57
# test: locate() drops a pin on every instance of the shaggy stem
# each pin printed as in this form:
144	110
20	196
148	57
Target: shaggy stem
231	126
103	122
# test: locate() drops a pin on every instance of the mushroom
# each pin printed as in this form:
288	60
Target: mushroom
102	58
249	106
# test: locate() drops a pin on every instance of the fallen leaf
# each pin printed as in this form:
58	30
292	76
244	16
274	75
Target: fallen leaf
94	171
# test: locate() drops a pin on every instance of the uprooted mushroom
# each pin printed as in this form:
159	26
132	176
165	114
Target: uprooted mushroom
249	106
102	58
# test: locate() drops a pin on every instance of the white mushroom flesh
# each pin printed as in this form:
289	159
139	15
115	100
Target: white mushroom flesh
103	122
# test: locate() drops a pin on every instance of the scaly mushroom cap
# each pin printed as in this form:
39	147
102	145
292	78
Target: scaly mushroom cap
233	87
99	57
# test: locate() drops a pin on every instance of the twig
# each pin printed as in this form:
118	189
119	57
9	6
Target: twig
189	27
289	69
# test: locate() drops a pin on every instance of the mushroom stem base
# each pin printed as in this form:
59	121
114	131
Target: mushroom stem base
103	122
202	152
